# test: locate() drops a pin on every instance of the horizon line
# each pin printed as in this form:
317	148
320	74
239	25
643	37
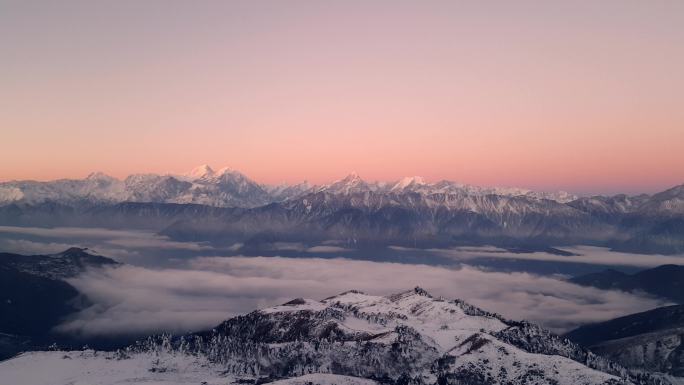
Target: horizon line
353	173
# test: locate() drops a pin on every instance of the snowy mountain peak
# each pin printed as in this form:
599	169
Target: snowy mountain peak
352	177
227	170
352	291
202	171
409	181
352	183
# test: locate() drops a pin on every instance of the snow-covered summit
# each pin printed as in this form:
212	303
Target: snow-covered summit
414	308
408	182
350	184
199	172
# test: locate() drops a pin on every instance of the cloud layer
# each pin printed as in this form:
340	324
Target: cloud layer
211	289
124	245
199	292
591	255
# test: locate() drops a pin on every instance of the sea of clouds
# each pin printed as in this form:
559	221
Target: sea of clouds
208	290
173	286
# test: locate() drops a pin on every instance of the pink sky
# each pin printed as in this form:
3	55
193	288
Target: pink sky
584	96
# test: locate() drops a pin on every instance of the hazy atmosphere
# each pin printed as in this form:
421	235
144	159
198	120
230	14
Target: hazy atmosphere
342	192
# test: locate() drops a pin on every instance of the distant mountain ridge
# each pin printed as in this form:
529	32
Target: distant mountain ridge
651	340
223	188
227	207
66	264
231	188
666	281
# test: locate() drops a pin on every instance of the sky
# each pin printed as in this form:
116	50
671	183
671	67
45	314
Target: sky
583	96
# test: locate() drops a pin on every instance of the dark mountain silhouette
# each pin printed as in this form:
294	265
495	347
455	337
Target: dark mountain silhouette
665	281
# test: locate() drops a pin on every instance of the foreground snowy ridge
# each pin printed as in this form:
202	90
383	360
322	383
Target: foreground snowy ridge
349	339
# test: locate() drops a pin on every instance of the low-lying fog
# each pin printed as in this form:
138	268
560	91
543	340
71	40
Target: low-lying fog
182	286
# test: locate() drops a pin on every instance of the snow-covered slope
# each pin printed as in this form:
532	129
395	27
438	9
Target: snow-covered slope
286	191
154	368
669	201
660	351
324	379
651	340
101	368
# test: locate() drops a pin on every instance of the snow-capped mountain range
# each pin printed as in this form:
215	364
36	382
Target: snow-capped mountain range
226	207
226	188
352	339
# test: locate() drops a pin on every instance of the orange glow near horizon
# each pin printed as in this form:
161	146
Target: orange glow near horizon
585	97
